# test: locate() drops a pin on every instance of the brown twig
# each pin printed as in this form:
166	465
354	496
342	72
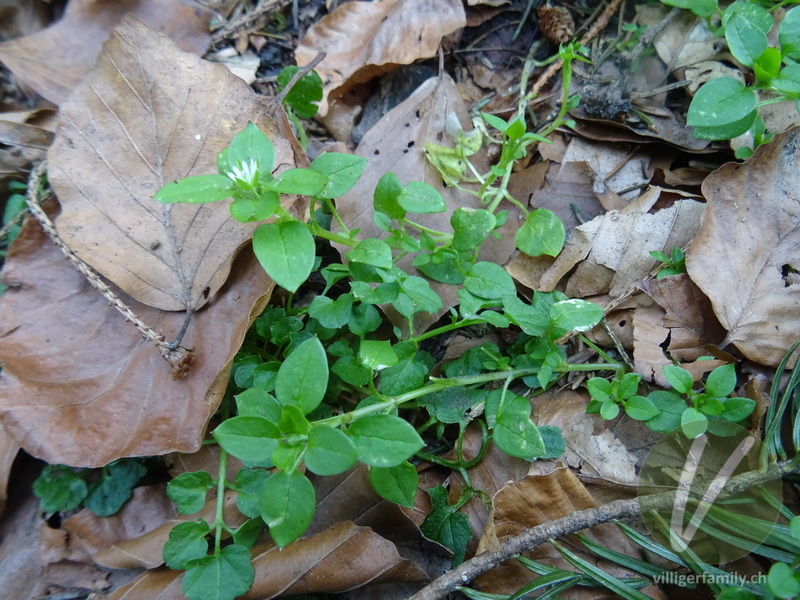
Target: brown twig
613	511
237	25
178	357
302	72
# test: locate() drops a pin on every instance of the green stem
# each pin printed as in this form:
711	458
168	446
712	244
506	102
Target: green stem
333	237
444	329
335	213
219	522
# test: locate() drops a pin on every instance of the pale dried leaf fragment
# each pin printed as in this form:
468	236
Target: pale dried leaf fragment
746	252
9	449
612	251
54	60
365	39
81	387
127	131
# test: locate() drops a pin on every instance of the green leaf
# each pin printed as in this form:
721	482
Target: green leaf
255	402
247	534
600	389
330	451
702	8
609	410
490	281
417	296
293	421
575	315
670	406
332	314
304	94
303	182
249	144
514	432
250	439
385	198
108	495
341	170
789	33
736	409
248	487
349	369
693	423
287	505
187	542
421	198
59	488
453	405
721	381
286	251
722	101
628	385
532	319
373	252
541	233
746	38
303	376
377	354
396	484
554	445
788	81
188	491
767	65
382	294
471	226
444	524
641	408
726	132
495	122
196	190
364	319
680	379
222	576
407	375
384	440
781	581
286	456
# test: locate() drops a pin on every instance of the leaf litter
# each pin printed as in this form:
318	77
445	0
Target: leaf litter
54	323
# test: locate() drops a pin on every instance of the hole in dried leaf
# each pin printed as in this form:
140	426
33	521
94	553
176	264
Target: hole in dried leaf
790	275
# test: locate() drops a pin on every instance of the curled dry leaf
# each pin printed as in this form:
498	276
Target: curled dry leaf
365	39
81	387
128	130
745	256
53	61
8	452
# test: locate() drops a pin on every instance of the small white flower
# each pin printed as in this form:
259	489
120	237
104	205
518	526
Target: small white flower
246	172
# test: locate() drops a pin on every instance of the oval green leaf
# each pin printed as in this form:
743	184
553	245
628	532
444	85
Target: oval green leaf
286	251
329	451
303	377
384	440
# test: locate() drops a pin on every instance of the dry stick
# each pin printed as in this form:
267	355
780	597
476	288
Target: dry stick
616	510
599	25
246	20
302	72
178	357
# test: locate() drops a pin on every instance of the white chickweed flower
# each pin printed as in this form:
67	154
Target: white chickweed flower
246	172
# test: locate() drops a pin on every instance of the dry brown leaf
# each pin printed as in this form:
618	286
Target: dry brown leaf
539	499
128	130
613	249
81	387
745	256
9	449
395	145
365	39
54	60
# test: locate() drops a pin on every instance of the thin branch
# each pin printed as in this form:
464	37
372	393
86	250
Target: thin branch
617	510
234	27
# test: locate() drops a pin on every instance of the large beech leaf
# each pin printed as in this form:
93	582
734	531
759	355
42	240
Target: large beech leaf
746	255
364	39
127	130
53	61
81	386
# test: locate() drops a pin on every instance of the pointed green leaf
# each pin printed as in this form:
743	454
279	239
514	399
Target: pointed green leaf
222	576
250	439
329	451
196	190
188	491
396	484
384	440
286	251
187	542
287	505
303	377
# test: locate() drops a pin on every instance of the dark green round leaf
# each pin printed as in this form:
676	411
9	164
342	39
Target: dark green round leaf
490	281
396	484
693	423
387	191
670	406
471	226
384	440
341	170
719	102
248	487
575	315
640	408
541	233
680	379
737	409
789	33
421	198
329	451
187	542
188	491
59	488
255	402
332	314
222	576
721	381
250	439
373	252
304	94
